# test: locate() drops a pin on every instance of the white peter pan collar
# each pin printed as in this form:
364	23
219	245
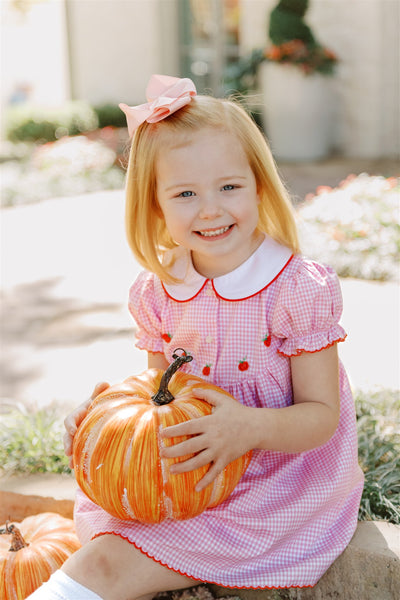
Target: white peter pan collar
249	278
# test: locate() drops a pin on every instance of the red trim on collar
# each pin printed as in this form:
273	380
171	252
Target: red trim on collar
227	299
187	299
255	293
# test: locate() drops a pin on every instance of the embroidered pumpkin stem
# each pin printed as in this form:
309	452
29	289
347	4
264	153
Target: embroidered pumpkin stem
17	541
163	395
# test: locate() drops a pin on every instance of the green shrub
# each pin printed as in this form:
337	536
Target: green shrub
39	124
287	23
110	115
379	454
31	442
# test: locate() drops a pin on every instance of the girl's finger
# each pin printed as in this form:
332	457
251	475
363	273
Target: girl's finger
191	427
208	478
70	425
194	444
198	461
67	442
211	396
100	387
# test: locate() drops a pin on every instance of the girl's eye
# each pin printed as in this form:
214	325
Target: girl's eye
228	187
186	194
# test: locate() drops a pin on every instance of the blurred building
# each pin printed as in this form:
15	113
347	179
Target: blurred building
105	50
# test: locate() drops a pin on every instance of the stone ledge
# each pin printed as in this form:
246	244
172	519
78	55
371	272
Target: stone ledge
369	568
16	507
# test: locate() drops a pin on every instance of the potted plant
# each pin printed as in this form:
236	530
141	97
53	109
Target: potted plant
293	72
297	110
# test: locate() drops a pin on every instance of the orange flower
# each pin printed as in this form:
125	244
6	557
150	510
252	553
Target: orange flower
329	54
274	53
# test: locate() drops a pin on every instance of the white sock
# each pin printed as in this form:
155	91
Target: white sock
61	587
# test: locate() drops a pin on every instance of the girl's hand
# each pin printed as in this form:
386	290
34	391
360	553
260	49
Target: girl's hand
219	438
74	419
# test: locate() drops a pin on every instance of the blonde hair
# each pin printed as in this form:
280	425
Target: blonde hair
147	234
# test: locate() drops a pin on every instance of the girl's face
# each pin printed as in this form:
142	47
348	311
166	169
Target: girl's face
208	195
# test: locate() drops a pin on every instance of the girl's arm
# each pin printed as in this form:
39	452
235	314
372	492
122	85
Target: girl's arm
232	429
313	418
157	360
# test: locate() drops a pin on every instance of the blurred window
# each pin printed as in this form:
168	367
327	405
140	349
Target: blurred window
209	41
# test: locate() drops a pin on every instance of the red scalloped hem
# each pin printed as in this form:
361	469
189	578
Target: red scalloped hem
232	587
300	350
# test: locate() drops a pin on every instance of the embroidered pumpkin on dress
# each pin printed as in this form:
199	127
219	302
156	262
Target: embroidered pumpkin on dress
117	448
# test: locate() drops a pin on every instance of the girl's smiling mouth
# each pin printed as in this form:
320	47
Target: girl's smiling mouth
213	233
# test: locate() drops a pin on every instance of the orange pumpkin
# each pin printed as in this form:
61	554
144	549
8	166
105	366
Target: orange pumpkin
39	546
117	448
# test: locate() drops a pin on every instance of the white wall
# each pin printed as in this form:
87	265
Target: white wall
115	45
34	53
364	34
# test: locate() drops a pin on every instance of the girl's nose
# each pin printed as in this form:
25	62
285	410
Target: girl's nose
210	207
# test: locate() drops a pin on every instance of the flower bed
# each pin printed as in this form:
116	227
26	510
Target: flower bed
69	166
355	227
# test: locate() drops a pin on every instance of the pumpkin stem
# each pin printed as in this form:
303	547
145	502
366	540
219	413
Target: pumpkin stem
164	396
17	541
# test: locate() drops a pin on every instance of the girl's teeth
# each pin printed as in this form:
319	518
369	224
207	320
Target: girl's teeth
215	232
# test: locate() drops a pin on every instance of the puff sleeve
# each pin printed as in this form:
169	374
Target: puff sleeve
144	306
307	313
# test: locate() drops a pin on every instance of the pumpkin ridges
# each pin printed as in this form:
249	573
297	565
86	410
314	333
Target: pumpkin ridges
180	488
135	386
30	571
51	538
59	551
110	457
32	567
232	476
33	528
92	426
2	575
145	489
9	585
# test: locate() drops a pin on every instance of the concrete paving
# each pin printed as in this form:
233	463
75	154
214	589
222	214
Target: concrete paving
65	274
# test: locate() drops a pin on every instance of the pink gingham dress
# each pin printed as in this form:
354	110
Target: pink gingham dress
290	515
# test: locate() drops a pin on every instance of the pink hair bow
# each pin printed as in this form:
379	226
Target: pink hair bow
165	95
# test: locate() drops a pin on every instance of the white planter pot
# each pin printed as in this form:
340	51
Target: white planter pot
297	112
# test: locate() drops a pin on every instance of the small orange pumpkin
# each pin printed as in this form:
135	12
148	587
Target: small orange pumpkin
117	448
39	546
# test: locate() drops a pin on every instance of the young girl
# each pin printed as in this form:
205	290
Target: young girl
209	219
